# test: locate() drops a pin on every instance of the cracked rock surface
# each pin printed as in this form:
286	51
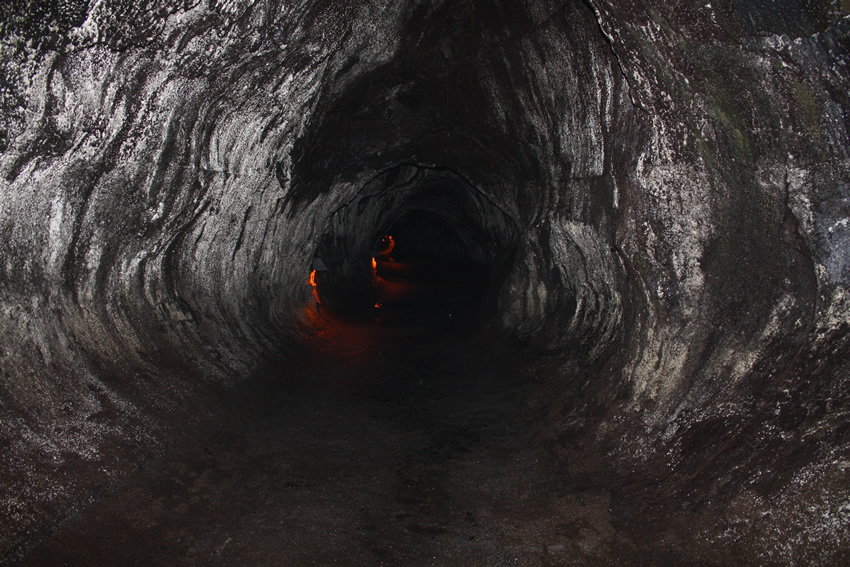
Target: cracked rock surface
647	206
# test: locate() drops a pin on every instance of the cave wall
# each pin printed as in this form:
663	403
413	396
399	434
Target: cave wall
666	186
743	294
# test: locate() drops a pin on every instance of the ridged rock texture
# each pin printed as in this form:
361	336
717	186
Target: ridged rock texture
660	192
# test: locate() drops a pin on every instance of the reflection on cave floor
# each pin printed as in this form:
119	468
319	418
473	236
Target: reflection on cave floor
376	446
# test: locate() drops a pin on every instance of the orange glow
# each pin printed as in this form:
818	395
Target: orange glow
388	244
315	287
374	263
378	305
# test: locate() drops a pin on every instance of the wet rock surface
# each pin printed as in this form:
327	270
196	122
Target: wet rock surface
654	196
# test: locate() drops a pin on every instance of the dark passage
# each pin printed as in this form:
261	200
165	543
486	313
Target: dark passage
417	246
423	273
427	291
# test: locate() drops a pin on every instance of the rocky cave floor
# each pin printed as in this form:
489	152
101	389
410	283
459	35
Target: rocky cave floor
406	440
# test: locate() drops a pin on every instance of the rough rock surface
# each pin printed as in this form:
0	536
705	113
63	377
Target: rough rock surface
660	191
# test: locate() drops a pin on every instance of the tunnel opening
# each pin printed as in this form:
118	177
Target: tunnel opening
426	272
416	246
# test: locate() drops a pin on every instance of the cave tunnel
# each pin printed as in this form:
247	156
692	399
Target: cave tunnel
425	282
416	244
